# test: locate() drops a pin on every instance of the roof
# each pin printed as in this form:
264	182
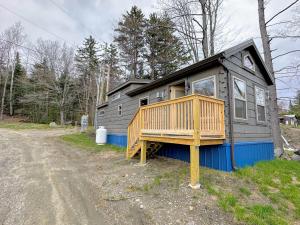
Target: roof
207	63
202	65
127	83
251	47
102	105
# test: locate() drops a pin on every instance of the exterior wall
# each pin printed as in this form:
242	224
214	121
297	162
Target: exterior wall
117	125
250	129
218	156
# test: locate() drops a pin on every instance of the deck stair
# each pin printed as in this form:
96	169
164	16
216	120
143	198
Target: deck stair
192	120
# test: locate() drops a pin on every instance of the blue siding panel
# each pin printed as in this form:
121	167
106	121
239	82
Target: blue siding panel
248	153
117	139
212	156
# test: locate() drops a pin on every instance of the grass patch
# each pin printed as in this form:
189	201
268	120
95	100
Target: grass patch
20	126
85	141
171	179
274	197
245	191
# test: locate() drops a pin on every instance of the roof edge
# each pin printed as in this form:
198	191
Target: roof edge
121	86
196	67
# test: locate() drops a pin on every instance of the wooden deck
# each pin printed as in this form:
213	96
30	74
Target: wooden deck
190	120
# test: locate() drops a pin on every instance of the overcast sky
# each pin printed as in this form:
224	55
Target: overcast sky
72	20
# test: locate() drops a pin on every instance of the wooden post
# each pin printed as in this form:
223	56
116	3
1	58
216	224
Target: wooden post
196	118
143	152
194	166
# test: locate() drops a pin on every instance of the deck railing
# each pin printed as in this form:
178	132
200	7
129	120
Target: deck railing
193	117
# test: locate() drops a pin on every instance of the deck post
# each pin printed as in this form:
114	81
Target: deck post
194	166
143	152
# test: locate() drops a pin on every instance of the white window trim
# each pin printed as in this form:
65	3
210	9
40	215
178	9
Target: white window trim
121	110
207	78
260	121
245	100
119	96
146	97
248	55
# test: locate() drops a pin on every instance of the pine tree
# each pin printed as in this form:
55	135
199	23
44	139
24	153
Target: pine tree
130	40
166	52
18	88
111	59
87	63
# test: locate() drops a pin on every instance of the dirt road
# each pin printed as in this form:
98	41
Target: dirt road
45	181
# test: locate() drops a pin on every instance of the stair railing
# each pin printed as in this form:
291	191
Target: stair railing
133	134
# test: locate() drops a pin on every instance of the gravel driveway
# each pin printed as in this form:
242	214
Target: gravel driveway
45	181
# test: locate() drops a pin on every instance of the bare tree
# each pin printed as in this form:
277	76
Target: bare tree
198	23
11	39
266	41
56	83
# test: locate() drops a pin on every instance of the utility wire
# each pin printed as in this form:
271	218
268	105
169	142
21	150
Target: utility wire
72	17
29	21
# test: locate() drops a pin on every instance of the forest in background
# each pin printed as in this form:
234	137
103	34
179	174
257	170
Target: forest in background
49	80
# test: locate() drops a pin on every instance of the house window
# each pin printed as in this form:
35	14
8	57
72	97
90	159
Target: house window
120	110
115	96
260	104
206	86
240	101
249	63
144	101
101	113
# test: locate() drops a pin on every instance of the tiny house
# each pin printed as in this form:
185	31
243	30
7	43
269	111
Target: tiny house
214	113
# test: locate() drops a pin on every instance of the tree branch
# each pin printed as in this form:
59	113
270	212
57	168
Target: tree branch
281	11
286	53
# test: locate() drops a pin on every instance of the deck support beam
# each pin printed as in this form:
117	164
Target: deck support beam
143	152
194	166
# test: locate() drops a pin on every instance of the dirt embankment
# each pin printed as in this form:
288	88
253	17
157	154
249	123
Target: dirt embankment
44	181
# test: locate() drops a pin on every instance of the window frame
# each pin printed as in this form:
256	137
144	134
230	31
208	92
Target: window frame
146	97
118	96
120	110
245	56
245	100
260	121
207	78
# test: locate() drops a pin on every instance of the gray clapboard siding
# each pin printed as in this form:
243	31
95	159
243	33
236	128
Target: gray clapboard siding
244	130
249	129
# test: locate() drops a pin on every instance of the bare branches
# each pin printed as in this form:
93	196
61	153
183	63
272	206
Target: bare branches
286	53
281	11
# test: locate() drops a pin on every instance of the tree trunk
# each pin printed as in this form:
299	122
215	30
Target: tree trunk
3	97
272	89
62	117
11	111
204	29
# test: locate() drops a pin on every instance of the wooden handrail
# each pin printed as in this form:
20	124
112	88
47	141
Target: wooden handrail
194	117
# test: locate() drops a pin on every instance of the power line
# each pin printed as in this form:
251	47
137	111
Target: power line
72	17
36	25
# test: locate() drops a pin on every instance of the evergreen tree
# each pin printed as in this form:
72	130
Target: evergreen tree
87	63
18	88
111	59
130	40
166	52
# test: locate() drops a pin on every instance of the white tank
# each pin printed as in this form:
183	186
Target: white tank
101	135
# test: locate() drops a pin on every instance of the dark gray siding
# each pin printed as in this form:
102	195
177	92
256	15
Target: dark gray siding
249	129
116	124
244	130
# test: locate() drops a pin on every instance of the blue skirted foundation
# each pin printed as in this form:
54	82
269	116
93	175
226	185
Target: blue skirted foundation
117	139
213	156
